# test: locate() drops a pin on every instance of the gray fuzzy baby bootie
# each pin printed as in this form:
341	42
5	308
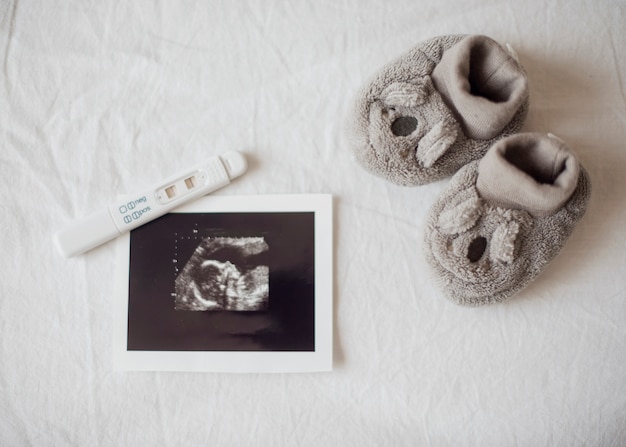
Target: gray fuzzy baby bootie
501	219
437	108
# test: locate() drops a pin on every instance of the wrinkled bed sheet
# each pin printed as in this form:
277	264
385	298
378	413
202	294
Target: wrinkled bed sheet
99	98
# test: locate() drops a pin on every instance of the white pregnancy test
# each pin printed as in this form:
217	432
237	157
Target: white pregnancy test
138	209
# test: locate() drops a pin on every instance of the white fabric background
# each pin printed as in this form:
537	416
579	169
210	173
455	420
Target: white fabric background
102	97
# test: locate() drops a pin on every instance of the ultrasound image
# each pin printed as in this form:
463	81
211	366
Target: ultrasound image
224	274
223	282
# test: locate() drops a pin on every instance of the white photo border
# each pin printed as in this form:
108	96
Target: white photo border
240	361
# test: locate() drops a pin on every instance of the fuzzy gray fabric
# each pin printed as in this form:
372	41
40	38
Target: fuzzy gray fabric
482	253
401	128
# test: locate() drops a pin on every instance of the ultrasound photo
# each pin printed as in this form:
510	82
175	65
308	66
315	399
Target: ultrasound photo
228	284
223	282
222	275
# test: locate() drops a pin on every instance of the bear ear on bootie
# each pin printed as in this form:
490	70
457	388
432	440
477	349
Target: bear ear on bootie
437	108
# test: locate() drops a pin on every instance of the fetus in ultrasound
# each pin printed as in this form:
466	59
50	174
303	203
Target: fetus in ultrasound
225	273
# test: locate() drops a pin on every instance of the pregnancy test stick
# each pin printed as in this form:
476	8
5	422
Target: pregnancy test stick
141	208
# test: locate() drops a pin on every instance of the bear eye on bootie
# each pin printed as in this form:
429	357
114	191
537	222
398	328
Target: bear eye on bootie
437	108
